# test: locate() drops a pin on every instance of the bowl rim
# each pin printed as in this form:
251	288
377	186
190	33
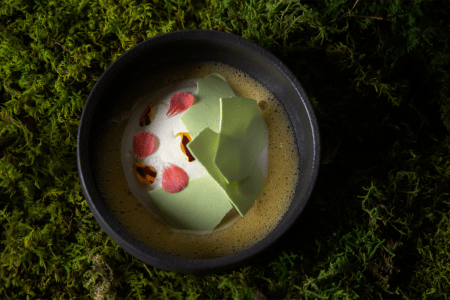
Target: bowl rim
130	244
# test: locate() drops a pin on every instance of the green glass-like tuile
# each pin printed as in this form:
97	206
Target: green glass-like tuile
205	112
200	206
242	136
242	194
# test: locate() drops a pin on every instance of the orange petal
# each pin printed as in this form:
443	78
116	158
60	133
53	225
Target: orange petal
179	102
146	174
174	179
144	143
185	139
145	117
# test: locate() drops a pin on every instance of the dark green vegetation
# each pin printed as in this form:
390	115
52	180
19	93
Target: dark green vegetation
378	224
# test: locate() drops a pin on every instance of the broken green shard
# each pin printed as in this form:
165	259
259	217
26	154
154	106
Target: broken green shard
200	206
242	136
243	193
206	110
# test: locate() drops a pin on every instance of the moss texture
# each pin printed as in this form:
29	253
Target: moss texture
378	224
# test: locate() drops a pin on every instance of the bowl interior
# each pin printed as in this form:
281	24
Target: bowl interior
198	45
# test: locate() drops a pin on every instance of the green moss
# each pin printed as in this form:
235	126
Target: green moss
378	224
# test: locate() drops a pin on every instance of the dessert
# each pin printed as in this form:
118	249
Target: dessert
234	233
214	169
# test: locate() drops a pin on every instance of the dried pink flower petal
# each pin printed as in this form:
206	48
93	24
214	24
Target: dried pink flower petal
174	179
144	143
179	102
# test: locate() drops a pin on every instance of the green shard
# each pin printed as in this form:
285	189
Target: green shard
242	136
242	194
206	111
200	206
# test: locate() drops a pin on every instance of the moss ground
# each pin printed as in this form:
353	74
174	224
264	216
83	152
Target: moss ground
378	224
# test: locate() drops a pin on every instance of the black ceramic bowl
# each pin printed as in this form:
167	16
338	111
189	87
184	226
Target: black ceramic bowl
199	45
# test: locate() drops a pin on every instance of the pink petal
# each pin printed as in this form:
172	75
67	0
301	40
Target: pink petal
174	179
144	143
179	102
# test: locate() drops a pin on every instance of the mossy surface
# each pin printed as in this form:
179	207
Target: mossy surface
378	223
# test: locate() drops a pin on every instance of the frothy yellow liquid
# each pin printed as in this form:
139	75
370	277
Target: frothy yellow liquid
241	233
